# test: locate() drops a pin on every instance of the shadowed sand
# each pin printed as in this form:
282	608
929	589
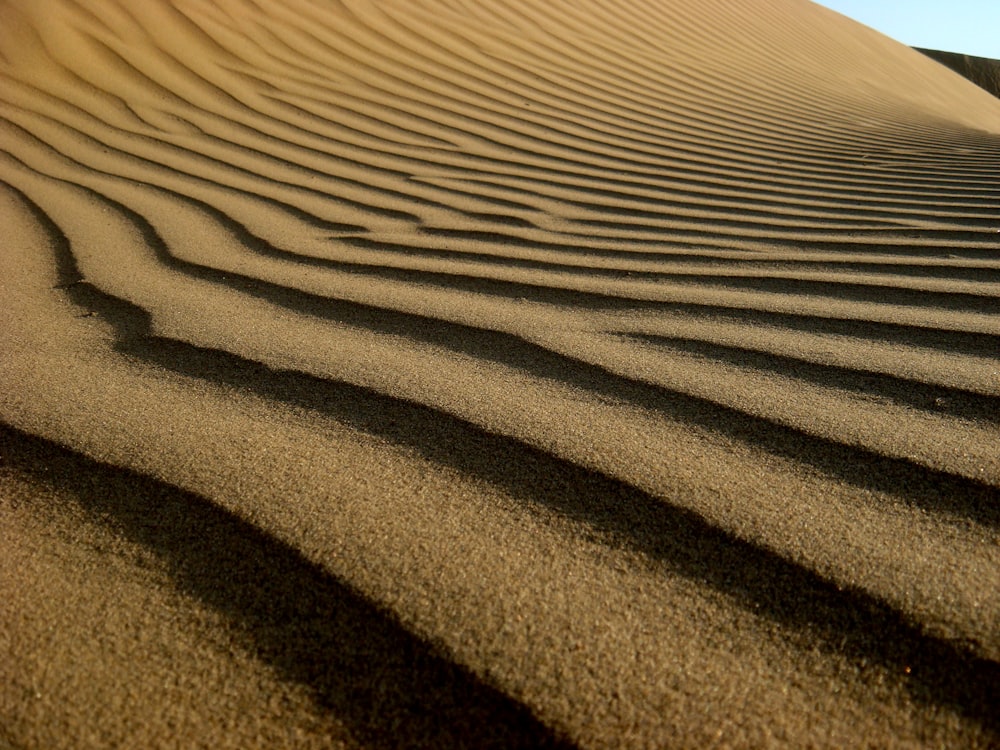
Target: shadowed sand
512	373
982	71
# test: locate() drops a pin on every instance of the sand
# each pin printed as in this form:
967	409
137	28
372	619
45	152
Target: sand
432	373
982	71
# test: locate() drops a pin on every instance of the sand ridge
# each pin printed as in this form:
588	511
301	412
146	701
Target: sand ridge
632	366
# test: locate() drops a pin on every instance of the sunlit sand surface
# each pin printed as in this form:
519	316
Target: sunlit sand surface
609	373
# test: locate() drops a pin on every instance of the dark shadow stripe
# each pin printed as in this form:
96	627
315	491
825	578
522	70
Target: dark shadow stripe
390	687
881	291
976	245
567	297
866	292
809	236
953	402
883	274
850	623
924	487
917	485
334	200
753	191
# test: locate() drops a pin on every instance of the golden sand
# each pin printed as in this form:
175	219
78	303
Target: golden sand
608	373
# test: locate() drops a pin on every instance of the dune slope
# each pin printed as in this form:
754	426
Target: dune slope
429	372
982	71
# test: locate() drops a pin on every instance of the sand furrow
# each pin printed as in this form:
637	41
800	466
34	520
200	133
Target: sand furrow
627	371
422	375
649	705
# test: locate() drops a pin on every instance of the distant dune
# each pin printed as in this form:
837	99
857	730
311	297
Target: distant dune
435	373
982	71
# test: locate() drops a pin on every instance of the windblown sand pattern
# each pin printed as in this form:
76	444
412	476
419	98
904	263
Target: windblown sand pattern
615	373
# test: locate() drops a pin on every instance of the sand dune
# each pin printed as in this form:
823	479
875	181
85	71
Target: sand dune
611	373
982	71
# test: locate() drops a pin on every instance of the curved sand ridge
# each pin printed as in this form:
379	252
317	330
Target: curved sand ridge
465	373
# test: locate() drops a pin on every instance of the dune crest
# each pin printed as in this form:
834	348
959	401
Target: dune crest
982	71
631	367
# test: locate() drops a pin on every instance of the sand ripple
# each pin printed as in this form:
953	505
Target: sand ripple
639	362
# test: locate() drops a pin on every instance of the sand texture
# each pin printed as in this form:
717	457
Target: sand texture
494	373
982	71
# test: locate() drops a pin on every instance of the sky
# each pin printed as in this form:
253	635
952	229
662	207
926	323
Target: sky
970	27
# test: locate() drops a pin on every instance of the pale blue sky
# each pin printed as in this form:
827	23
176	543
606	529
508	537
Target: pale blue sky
971	27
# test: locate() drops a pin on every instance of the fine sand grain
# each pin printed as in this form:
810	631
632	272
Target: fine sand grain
395	373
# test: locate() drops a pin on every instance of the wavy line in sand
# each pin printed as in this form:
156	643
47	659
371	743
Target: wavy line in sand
639	361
